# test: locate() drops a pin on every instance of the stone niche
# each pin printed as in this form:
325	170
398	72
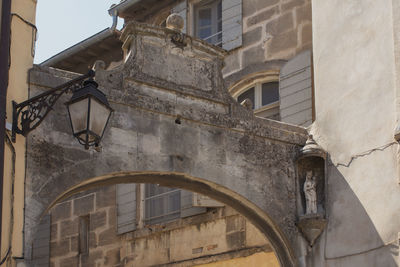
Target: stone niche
311	188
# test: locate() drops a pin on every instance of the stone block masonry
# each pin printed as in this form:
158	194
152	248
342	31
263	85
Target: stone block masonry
272	30
104	244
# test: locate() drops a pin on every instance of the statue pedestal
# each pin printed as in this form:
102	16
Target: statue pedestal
311	226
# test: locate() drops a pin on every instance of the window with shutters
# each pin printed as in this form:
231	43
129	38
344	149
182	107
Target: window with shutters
264	94
157	204
218	22
162	204
126	207
208	21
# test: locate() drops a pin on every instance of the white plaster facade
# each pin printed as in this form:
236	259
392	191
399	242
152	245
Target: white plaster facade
355	101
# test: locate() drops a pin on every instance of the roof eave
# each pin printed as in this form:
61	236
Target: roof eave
119	8
78	47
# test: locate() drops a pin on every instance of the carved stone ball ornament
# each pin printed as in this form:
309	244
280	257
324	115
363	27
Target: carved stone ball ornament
175	22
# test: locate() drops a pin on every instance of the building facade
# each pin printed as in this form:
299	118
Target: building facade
17	49
146	225
337	76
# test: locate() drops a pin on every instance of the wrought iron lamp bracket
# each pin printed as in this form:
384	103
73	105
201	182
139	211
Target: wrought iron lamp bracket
29	114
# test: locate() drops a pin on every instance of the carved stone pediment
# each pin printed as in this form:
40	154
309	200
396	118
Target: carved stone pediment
167	58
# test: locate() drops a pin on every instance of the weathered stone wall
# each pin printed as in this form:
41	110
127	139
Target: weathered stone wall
273	32
104	244
218	143
219	234
260	259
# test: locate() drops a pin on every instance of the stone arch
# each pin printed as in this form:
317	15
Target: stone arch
248	209
251	79
177	120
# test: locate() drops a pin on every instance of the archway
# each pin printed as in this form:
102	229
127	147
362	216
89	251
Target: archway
252	212
181	122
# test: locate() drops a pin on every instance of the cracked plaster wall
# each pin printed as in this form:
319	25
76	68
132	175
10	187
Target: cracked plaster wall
355	122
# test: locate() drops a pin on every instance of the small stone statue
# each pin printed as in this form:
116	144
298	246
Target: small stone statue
310	192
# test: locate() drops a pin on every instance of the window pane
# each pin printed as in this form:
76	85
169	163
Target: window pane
174	203
205	17
219	22
204	33
270	93
162	204
219	11
248	94
153	190
219	17
208	22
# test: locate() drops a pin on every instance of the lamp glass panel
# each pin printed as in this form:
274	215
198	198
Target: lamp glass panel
78	112
99	114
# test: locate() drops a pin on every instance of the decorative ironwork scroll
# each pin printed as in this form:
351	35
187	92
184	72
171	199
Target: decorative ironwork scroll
29	114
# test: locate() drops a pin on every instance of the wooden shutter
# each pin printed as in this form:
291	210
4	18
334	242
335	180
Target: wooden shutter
187	207
200	200
181	10
295	90
126	208
41	244
231	24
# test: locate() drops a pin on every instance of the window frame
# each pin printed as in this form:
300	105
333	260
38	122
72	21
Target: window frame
214	23
256	80
192	16
144	220
163	217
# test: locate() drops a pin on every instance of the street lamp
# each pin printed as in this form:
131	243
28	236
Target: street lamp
88	109
89	112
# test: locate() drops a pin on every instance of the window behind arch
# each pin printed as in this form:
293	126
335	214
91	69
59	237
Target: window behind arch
162	204
269	93
265	98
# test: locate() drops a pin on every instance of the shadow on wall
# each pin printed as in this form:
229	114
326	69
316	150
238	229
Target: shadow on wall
350	238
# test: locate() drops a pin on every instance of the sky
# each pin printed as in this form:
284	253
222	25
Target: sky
63	23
